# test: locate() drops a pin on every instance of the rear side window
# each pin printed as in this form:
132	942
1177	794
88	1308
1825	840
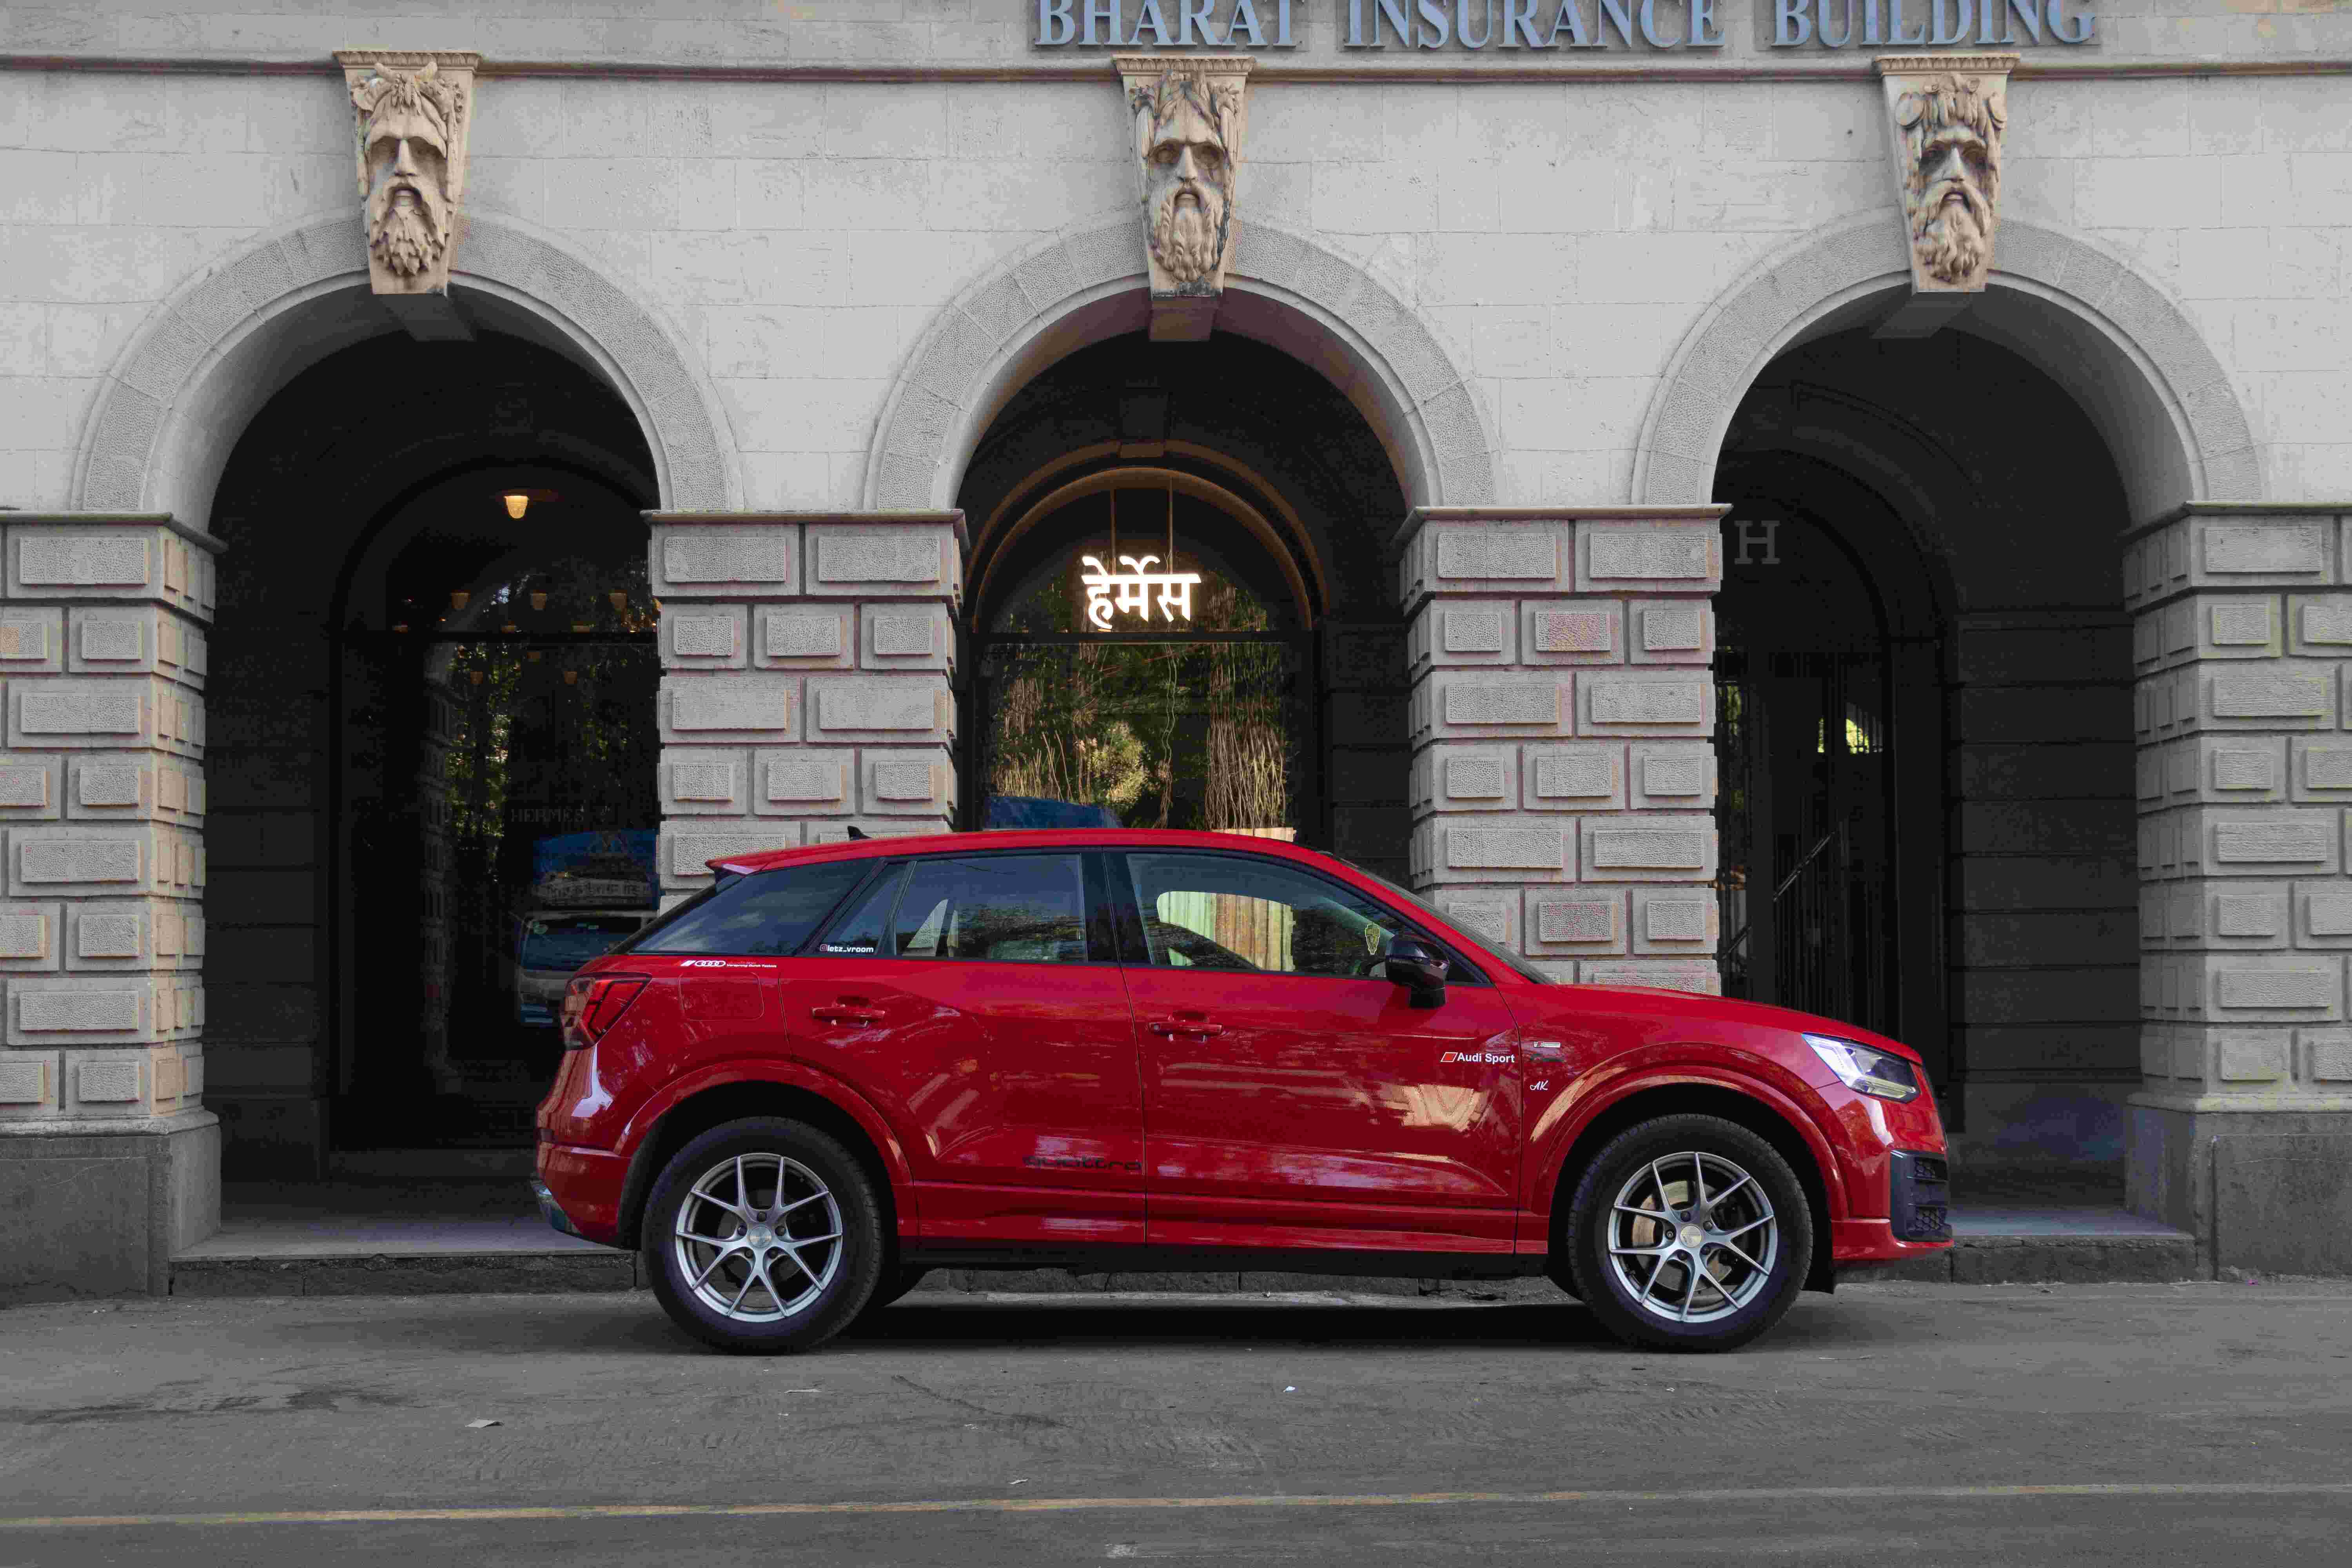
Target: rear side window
764	915
997	908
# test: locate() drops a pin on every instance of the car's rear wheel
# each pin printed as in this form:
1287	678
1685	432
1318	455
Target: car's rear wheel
764	1236
1688	1232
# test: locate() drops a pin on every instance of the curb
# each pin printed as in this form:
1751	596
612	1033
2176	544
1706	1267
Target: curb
1975	1260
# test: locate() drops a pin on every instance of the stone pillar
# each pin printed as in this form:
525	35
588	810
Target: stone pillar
807	666
108	1160
1562	720
2241	1131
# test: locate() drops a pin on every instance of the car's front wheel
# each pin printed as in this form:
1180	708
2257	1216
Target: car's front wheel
764	1236
1690	1232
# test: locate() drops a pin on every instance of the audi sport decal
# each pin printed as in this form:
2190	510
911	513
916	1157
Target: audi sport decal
1486	1059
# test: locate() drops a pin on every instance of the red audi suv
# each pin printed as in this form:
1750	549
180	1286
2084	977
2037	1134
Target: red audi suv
841	1065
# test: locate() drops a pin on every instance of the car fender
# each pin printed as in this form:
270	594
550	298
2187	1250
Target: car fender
1560	1131
837	1091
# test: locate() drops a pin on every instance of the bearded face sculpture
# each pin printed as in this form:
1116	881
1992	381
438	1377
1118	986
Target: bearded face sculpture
412	126
1949	128
1189	115
1188	185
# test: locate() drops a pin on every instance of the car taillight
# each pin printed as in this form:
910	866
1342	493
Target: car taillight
594	1004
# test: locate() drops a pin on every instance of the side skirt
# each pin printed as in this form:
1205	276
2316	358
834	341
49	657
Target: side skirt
1197	1260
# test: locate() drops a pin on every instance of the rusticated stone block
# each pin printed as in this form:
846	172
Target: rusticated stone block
1464	777
28	1085
2319	625
2326	1055
81	1009
1644	702
706	710
1462	704
2259	553
688	847
2277	841
1672	775
725	561
1489	912
802	781
805	636
702	637
879	562
2233	627
30	789
1643	557
82	860
2232	914
704	782
2320	768
2281	987
894	782
1577	776
29	937
2273	695
1670	975
1575	920
2235	770
1571	631
906	637
910	709
1501	557
1649	847
1670	631
1674	921
1462	632
1496	848
31	640
2323	914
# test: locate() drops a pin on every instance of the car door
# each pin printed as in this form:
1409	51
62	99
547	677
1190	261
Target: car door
1294	1096
977	997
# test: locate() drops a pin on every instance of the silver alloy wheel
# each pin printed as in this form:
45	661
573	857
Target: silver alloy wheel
753	1227
1693	1238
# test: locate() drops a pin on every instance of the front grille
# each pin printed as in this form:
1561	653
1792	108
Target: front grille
1919	1196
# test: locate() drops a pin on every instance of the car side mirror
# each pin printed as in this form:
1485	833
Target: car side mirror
1414	965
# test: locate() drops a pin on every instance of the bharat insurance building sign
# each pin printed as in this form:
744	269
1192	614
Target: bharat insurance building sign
1480	25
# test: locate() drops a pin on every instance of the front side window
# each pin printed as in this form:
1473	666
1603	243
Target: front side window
764	915
1232	913
995	908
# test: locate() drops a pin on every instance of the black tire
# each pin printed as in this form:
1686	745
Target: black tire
1732	1300
893	1284
783	1161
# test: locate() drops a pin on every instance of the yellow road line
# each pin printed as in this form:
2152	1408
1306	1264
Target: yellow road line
1149	1504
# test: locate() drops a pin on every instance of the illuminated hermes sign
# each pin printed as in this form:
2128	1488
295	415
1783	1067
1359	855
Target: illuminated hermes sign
1130	592
1558	24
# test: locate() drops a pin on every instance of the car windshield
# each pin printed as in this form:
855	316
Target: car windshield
1503	956
567	941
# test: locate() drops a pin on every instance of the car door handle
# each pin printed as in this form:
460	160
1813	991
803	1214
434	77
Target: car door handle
1186	1028
845	1011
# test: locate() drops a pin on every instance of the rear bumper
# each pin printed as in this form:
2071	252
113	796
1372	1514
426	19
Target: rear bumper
579	1190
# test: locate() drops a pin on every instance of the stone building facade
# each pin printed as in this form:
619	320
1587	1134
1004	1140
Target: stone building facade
1844	505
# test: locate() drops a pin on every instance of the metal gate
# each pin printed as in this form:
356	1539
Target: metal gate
1804	813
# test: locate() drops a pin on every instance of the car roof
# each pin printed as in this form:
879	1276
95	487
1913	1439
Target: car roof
996	840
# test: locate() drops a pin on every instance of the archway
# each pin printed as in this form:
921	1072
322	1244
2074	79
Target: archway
1928	813
415	687
1084	286
1255	682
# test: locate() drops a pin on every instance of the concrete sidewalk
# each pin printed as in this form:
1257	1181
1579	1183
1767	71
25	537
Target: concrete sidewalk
377	1231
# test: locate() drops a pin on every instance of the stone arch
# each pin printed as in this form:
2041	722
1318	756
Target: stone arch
2125	352
1085	284
172	407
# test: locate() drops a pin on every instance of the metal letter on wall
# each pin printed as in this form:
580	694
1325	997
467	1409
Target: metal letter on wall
413	111
1190	114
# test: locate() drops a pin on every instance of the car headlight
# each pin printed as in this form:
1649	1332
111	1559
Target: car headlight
1866	1071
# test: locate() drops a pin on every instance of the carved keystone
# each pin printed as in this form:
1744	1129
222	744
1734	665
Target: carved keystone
413	110
1190	114
1945	114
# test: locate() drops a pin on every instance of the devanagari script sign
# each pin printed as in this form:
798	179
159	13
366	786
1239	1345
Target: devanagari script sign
1131	592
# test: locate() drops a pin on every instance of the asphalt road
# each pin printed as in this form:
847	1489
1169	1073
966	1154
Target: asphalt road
1898	1423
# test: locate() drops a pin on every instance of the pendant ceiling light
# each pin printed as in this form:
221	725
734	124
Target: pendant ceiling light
518	502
